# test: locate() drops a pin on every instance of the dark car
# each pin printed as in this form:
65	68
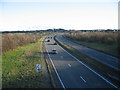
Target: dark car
55	43
48	40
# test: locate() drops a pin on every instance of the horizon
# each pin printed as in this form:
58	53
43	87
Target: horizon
60	28
73	14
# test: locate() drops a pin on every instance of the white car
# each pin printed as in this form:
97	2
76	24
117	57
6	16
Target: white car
54	51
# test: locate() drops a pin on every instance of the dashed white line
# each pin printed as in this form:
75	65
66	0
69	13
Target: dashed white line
61	57
82	79
69	65
89	68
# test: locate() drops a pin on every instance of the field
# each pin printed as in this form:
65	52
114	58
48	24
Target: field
19	67
106	42
13	40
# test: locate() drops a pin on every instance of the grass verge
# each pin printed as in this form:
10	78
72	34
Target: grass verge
95	65
111	49
19	67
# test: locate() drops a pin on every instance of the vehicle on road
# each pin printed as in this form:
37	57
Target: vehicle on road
48	40
54	43
54	51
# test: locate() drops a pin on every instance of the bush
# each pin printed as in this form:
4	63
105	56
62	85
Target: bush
99	37
11	41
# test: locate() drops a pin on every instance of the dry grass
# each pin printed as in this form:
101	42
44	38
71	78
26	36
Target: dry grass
103	40
100	37
12	41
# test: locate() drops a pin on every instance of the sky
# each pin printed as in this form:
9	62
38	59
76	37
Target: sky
67	14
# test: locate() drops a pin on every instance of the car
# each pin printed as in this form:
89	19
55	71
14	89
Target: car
54	51
48	40
54	43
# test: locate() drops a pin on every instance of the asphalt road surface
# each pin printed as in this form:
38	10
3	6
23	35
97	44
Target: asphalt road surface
108	60
71	72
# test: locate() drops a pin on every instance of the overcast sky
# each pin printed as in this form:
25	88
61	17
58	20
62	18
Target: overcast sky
67	14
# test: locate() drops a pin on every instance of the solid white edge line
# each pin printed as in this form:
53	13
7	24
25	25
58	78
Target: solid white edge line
61	57
89	68
55	69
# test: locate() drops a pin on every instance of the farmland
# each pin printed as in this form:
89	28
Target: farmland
106	42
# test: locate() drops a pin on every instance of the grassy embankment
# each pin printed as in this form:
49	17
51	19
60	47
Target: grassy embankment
101	68
10	41
107	42
19	67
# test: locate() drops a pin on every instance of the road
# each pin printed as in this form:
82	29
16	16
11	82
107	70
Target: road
108	60
71	72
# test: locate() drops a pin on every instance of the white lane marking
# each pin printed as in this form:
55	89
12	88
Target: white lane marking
55	69
89	68
82	79
69	65
61	57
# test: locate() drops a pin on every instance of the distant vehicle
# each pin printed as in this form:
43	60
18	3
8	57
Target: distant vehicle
55	43
48	37
54	51
48	40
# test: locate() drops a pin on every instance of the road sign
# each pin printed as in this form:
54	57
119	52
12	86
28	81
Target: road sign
38	67
38	70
